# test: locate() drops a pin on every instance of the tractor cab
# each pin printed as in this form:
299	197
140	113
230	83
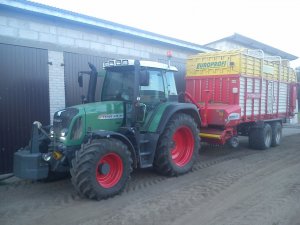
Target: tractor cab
141	85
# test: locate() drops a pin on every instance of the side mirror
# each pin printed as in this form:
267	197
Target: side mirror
80	81
144	78
140	112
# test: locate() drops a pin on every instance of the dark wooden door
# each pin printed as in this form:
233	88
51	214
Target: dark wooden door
24	98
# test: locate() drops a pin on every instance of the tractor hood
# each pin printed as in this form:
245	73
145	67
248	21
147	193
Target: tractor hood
107	115
71	124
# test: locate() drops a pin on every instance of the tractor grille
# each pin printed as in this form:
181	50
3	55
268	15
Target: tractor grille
62	120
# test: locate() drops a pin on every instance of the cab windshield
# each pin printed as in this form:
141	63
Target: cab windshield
118	84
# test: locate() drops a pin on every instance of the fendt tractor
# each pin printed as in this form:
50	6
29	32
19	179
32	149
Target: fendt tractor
138	123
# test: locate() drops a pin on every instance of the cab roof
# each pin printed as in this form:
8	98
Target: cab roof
143	63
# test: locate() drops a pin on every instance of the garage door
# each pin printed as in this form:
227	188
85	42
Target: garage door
24	98
73	64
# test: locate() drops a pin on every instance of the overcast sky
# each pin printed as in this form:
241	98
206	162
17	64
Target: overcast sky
273	22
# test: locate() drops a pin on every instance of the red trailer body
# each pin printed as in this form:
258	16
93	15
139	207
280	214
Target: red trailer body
247	90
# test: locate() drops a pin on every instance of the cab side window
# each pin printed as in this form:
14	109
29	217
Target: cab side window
155	91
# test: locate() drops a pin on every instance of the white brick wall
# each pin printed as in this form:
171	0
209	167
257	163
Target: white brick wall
229	45
30	28
56	82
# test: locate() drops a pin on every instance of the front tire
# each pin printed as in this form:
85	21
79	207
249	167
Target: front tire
177	146
101	169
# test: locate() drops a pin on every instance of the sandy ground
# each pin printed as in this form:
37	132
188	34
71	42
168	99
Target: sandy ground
226	187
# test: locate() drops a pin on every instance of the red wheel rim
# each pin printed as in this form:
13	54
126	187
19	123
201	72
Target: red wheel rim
184	146
114	164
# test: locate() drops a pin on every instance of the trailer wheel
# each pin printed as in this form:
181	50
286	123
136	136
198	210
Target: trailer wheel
177	146
233	142
276	134
260	138
101	169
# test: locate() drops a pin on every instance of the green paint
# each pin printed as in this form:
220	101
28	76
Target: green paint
108	115
104	115
158	115
68	141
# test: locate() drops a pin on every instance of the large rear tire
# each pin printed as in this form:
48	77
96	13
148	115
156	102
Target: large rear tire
177	146
276	134
101	169
260	138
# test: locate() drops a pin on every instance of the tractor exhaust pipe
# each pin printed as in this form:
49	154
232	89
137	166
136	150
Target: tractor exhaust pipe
92	83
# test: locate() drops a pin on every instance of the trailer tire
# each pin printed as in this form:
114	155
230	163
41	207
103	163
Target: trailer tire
177	146
276	134
260	138
101	169
233	142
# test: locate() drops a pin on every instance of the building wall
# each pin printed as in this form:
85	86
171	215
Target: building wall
39	31
49	33
298	79
229	45
58	36
225	45
56	82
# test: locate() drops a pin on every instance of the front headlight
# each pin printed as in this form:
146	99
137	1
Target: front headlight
51	132
64	132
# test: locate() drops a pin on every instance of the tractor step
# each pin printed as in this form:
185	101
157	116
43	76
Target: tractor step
146	165
145	153
144	142
148	142
145	159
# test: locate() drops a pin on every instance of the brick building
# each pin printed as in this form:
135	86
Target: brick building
237	41
41	51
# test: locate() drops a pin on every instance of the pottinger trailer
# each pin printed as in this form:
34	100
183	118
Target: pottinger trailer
241	92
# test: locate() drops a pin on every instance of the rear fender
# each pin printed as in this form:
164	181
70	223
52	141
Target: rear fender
186	108
171	110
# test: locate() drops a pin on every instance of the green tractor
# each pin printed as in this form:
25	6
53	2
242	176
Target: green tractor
138	123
